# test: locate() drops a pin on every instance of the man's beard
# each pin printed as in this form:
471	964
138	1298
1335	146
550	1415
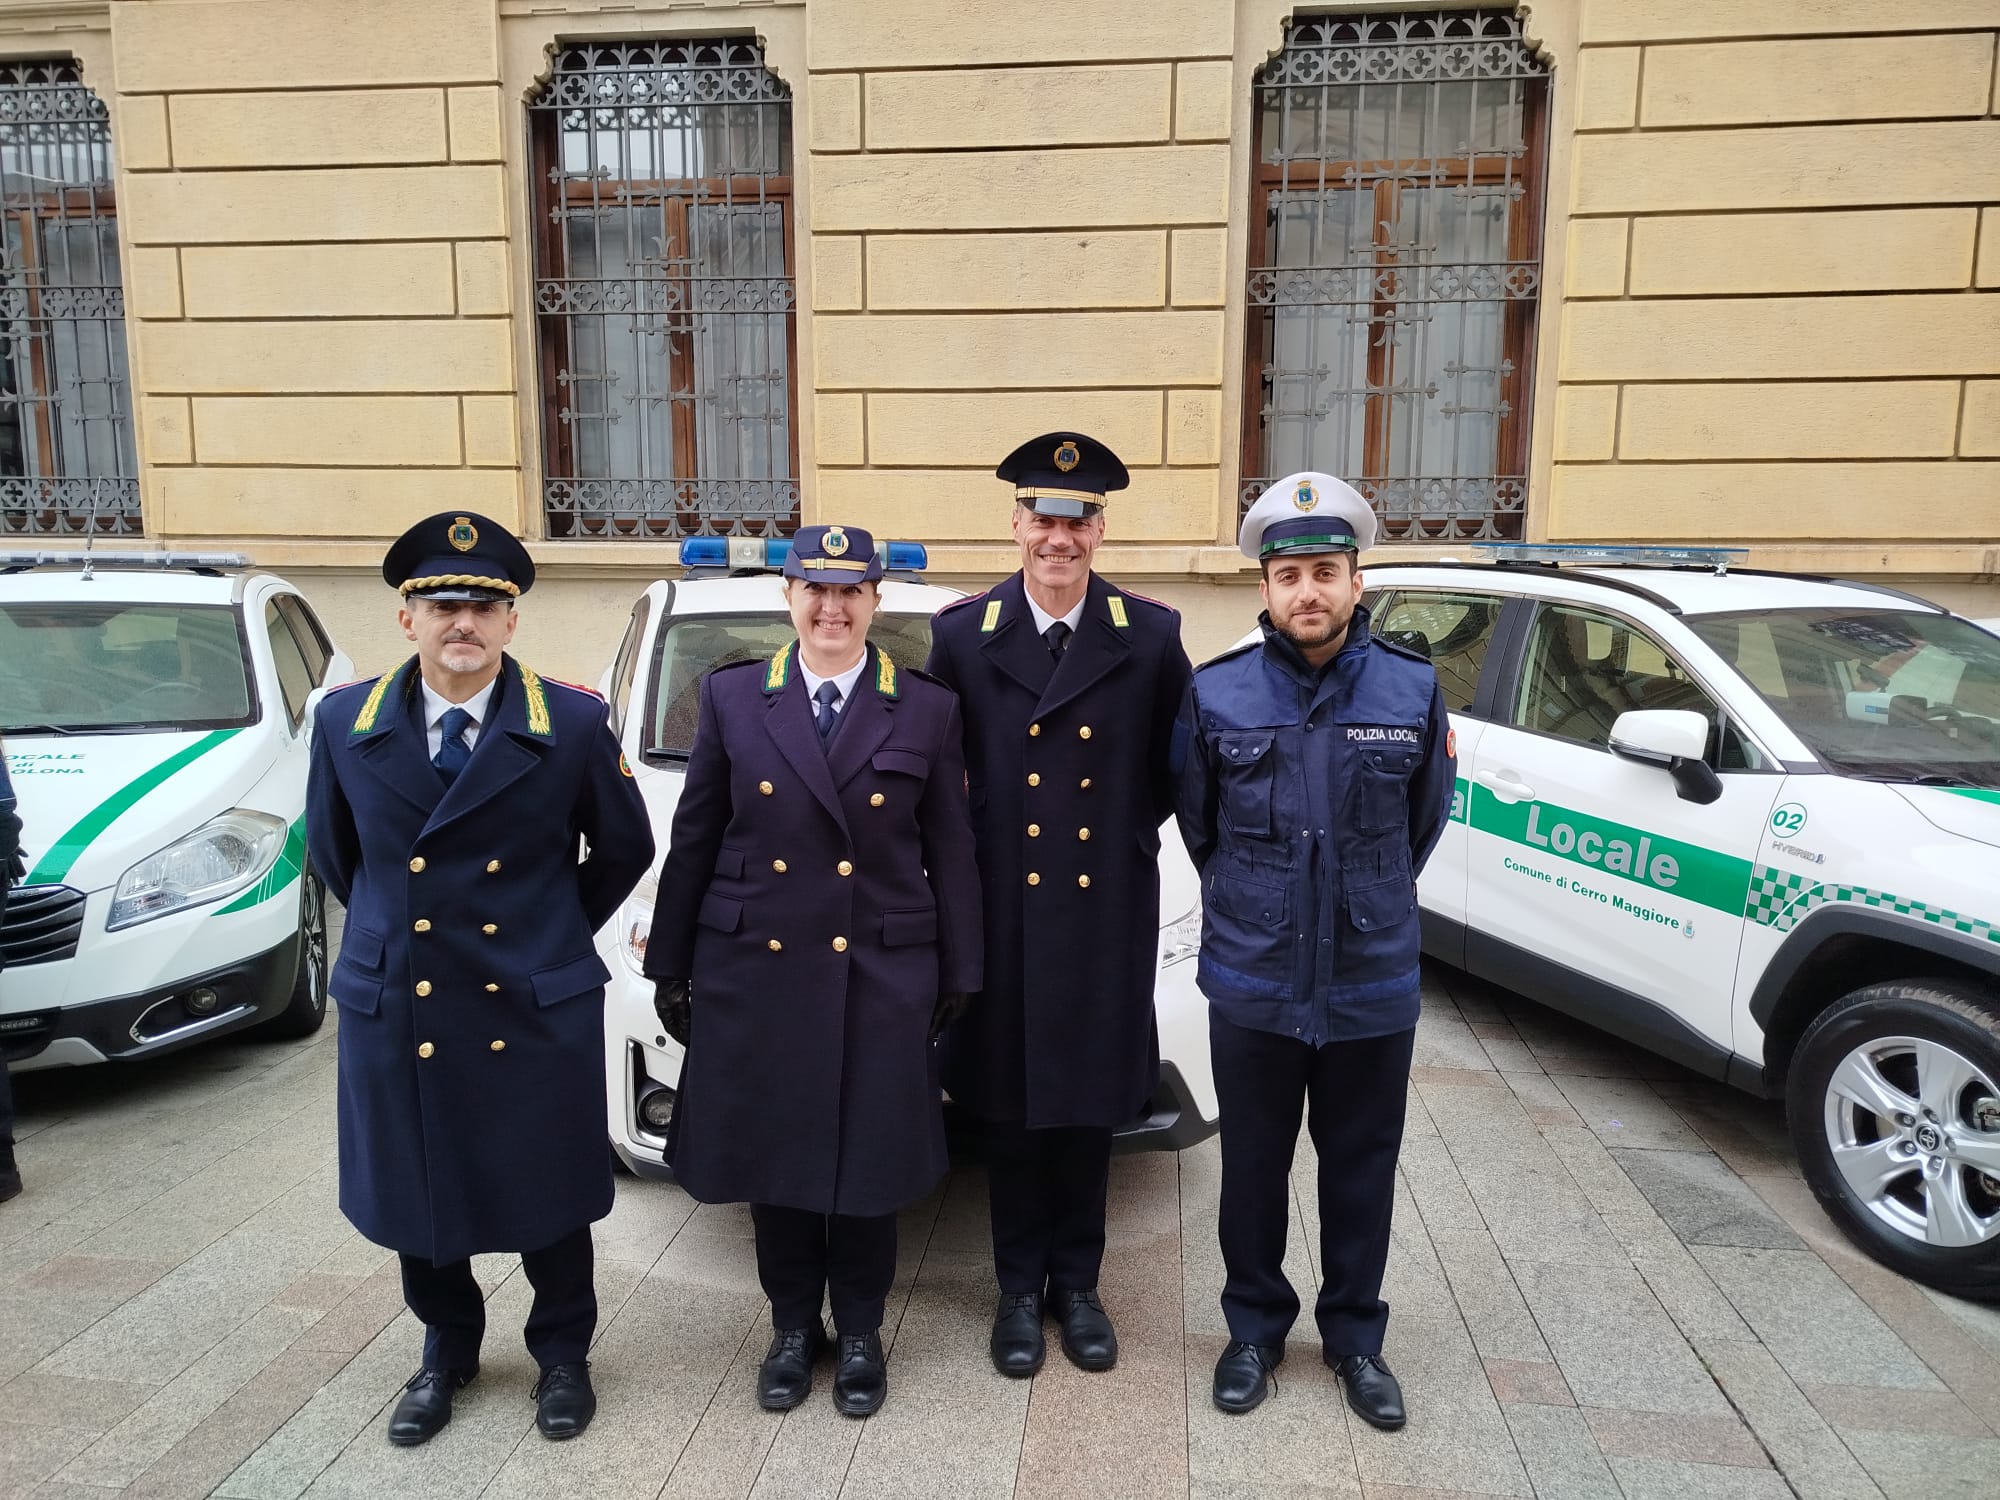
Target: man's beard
1334	629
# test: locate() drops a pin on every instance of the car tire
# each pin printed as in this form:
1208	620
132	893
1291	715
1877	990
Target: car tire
305	1011
1893	1100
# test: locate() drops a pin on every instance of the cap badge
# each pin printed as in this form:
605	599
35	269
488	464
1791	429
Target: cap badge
1067	457
463	536
1305	498
835	541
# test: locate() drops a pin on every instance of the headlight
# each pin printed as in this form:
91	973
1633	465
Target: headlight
216	860
635	921
1180	939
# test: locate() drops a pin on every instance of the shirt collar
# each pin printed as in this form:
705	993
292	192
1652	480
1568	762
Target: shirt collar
1043	619
435	704
845	681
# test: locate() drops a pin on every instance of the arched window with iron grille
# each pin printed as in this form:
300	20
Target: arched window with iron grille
1395	266
67	460
664	290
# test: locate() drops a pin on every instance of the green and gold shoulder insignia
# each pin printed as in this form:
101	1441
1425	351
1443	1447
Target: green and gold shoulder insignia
1117	607
780	670
885	674
538	703
991	618
371	706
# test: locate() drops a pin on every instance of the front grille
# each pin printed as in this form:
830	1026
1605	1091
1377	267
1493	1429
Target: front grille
42	925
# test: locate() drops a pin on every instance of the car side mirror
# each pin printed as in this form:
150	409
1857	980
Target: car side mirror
1673	739
311	713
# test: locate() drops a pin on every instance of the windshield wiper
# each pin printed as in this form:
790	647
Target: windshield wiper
653	755
61	729
1916	778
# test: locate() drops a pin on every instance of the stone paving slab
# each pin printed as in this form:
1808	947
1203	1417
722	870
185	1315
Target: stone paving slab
1607	1279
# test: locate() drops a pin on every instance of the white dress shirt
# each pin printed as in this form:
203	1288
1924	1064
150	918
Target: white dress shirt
435	705
1043	619
844	682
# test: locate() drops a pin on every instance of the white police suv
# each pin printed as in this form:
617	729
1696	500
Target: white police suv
154	708
728	606
1752	822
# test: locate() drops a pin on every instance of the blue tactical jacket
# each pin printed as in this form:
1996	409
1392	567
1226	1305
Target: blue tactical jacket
1309	801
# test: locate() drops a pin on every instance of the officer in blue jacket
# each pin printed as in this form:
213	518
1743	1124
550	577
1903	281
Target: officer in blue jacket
818	910
447	806
1318	780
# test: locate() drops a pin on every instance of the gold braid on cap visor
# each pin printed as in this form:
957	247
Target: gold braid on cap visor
841	564
461	580
1036	492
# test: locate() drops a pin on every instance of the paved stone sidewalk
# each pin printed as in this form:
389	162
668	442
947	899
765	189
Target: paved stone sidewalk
1607	1278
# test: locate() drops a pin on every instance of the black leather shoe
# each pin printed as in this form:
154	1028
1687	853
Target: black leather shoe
1018	1349
564	1401
1243	1374
860	1375
425	1405
786	1376
1087	1336
1371	1390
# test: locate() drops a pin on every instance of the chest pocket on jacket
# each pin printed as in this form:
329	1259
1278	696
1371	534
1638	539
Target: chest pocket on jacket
1247	765
900	762
1382	788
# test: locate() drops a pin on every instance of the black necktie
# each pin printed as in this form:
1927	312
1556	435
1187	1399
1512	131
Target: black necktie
1057	635
453	752
826	695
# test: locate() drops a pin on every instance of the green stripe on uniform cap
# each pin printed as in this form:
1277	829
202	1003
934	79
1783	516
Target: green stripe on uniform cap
1293	543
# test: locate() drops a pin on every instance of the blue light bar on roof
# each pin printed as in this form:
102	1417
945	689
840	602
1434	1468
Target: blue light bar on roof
1591	554
768	554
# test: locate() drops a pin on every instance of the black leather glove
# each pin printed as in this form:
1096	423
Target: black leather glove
950	1006
670	1004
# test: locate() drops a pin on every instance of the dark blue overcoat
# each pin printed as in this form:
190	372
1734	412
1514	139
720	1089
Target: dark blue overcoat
471	999
1070	777
819	899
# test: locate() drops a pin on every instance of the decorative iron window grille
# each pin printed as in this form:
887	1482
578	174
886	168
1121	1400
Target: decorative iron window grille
67	462
1395	266
664	291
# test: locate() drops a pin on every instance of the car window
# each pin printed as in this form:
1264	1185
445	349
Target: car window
1584	668
1894	693
294	677
1455	630
313	643
112	666
624	666
695	645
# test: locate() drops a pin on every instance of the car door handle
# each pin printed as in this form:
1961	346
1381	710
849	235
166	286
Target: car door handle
1507	786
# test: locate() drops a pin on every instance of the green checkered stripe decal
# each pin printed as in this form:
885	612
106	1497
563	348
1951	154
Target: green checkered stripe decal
1779	899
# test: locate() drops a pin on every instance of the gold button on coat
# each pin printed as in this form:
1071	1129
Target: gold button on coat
425	1050
1034	729
489	929
764	787
778	865
492	989
840	945
417	865
1033	878
1034	830
877	800
423	987
1084	834
844	868
1083	733
499	1046
423	924
492	867
1084	881
776	946
1085	783
1034	778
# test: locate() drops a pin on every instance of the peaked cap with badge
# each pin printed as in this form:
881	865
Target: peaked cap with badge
1307	513
458	555
1063	474
834	554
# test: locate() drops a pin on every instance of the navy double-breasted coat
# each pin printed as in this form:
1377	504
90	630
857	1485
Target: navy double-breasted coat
1070	781
818	899
472	1104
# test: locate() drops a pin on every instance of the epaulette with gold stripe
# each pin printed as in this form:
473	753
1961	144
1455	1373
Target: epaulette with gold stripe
1117	607
371	706
780	670
537	704
885	674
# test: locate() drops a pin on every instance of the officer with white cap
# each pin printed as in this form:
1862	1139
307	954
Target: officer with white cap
1317	780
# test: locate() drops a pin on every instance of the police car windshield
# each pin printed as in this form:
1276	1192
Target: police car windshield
695	645
120	667
1893	695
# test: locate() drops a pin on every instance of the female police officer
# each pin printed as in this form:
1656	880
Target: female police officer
820	904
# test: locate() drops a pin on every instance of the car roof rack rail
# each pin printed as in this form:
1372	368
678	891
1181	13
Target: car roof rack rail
208	564
1615	581
1719	560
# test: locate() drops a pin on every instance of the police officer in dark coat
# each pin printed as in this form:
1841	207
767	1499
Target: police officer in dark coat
1070	688
817	910
445	807
1318	780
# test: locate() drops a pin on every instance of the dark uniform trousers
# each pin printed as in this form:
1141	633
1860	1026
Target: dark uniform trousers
560	1323
1352	1093
1047	1191
804	1258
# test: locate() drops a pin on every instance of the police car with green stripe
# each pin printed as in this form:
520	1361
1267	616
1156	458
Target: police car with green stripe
1750	821
154	709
